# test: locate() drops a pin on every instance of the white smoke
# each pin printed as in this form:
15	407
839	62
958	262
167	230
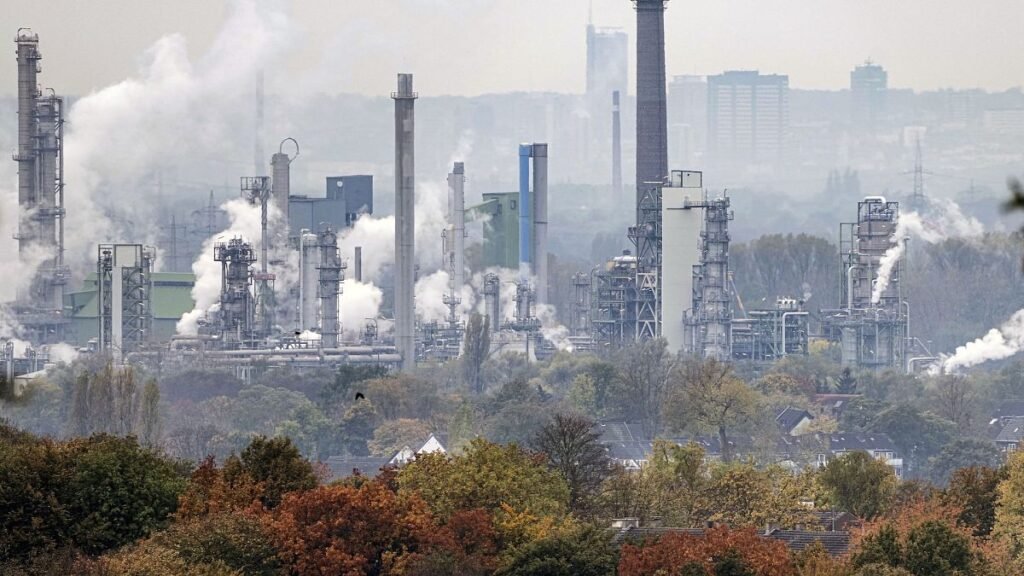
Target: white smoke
174	115
948	222
430	293
359	302
997	344
245	224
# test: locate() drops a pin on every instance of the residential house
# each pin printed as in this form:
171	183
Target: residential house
1009	438
370	466
793	421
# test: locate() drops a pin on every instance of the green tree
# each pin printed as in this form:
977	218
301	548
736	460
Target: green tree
275	464
340	391
882	548
707	397
586	551
117	491
917	435
357	427
476	348
485	476
78	417
962	453
234	539
573	448
859	483
393	435
933	548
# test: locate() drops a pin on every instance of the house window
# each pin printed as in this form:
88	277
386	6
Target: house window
512	205
822	460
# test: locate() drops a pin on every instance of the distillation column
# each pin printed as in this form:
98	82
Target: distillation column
28	95
331	276
308	261
405	220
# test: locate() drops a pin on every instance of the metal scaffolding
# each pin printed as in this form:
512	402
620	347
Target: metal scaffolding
872	334
332	275
124	291
711	316
769	334
236	318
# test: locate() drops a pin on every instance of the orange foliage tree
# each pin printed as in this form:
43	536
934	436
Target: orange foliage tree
367	528
673	551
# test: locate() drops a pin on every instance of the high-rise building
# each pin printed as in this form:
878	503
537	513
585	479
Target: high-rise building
868	86
607	64
687	120
607	72
748	118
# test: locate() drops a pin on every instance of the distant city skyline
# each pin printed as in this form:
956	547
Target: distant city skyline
494	46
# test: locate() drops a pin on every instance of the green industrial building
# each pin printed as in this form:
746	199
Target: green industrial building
501	232
171	297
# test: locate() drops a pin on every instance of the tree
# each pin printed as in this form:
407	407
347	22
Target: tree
585	551
881	548
718	551
344	529
1009	526
962	453
572	447
917	435
78	417
707	397
644	369
234	539
933	548
476	348
338	393
273	463
974	491
485	476
393	435
149	417
357	426
859	483
209	493
117	491
955	399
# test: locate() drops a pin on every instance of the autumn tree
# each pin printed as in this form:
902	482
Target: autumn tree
585	551
235	540
859	483
275	464
485	476
717	550
1009	526
476	348
974	490
343	529
707	397
572	447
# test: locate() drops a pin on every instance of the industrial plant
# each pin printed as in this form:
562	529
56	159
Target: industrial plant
273	295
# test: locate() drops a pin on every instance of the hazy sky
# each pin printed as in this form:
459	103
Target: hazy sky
477	46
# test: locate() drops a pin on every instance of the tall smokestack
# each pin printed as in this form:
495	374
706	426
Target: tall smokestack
651	115
405	220
540	221
525	213
309	261
258	158
28	95
358	265
281	178
616	149
457	183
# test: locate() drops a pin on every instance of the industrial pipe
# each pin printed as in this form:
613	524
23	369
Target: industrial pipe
785	315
